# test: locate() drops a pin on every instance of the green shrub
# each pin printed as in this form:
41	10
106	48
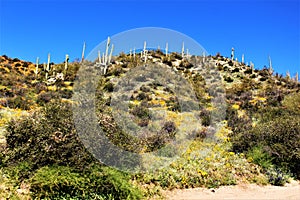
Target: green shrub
292	102
18	172
20	102
46	97
260	157
228	79
279	137
58	182
46	137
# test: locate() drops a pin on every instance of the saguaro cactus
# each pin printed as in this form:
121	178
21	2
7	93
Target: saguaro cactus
270	66
232	53
106	59
243	59
48	66
145	52
83	50
251	65
110	55
36	67
66	62
99	57
167	48
297	77
106	51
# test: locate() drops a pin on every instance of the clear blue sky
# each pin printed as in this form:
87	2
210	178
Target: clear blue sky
30	29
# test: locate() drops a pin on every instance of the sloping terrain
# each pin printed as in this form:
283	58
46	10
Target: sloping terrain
236	107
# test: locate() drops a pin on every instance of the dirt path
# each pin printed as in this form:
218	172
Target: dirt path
290	191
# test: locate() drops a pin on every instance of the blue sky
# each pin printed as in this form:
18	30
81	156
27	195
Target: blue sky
30	29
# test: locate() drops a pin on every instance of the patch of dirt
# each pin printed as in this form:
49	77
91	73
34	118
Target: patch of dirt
290	191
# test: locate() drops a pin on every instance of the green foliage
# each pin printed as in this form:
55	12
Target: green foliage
260	157
280	138
58	182
292	102
228	79
49	135
18	172
46	97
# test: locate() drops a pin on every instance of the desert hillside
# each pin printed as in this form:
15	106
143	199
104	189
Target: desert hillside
248	126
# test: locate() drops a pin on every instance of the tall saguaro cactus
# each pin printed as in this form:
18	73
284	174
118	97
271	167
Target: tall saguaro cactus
36	67
187	53
270	66
145	52
99	57
83	50
110	54
66	62
232	53
106	58
106	51
251	65
48	66
167	48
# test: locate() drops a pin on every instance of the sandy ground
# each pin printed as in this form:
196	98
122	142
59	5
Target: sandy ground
290	191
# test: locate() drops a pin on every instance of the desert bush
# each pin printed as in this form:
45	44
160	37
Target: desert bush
166	61
16	60
235	70
228	79
39	87
159	140
72	71
185	64
25	64
260	157
205	116
66	93
236	123
46	97
109	87
279	137
18	65
46	137
116	71
20	102
262	79
292	102
58	182
248	71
